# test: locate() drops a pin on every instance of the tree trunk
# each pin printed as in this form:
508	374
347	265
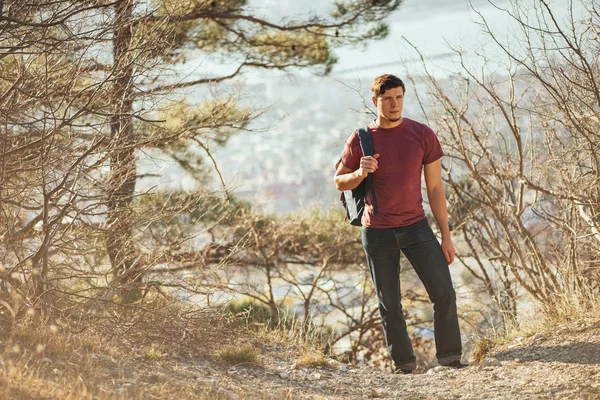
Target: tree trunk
120	246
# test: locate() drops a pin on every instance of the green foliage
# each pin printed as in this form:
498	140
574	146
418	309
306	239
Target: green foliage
215	120
345	8
290	48
210	35
233	30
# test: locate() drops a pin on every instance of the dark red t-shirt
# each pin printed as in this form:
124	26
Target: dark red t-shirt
403	151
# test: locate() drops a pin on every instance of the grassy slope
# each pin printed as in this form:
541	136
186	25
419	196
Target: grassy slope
163	353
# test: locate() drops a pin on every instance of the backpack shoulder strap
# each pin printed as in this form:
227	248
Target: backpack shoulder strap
366	145
366	142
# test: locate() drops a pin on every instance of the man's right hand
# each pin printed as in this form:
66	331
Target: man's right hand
347	179
367	165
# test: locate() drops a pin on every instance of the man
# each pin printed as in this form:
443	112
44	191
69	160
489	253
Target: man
403	148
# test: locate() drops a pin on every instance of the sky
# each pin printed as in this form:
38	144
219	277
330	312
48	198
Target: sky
425	23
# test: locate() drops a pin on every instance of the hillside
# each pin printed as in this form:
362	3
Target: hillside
200	355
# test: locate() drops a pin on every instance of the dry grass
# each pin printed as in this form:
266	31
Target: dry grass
481	348
151	353
551	325
312	359
295	331
117	353
497	342
163	350
168	351
234	354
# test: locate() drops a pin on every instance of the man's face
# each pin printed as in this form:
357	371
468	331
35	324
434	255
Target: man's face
390	103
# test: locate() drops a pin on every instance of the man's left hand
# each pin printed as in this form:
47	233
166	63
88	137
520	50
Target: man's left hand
448	249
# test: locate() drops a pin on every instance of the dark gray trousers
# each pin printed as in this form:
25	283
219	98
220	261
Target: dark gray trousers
422	249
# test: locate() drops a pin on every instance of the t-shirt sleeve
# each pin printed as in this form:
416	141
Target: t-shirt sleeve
433	149
352	152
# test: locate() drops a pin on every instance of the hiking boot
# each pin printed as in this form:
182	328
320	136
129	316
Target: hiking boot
456	365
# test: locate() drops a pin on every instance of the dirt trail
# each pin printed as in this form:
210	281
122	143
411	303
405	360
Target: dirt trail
554	365
559	362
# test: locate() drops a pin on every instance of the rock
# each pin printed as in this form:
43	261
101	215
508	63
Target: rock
343	369
491	362
47	360
437	370
316	376
283	375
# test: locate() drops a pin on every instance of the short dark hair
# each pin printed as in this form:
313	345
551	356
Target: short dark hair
386	82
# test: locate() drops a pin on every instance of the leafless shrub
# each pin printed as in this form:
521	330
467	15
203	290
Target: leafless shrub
522	170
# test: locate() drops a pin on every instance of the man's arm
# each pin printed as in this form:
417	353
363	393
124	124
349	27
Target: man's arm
437	202
346	179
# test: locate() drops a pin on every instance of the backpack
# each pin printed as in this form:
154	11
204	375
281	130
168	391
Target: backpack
354	200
